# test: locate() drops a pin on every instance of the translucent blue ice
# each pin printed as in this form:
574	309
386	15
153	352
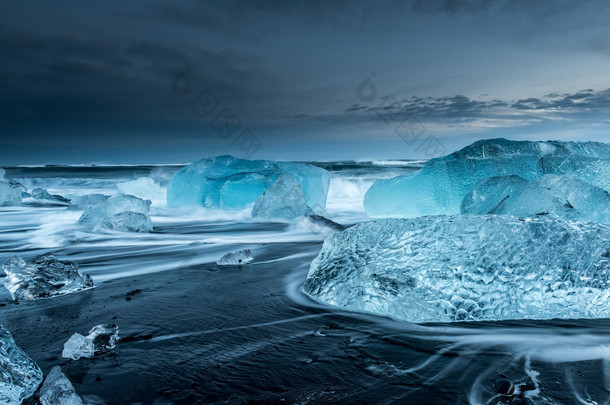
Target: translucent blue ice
442	183
557	196
228	183
58	390
19	375
124	213
283	200
43	277
466	268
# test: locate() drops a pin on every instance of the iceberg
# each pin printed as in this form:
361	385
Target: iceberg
19	375
10	194
441	185
42	194
236	258
229	183
558	196
58	390
78	346
101	339
284	199
466	268
124	213
42	277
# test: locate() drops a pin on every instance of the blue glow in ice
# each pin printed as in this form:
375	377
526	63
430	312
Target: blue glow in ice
557	196
228	183
442	183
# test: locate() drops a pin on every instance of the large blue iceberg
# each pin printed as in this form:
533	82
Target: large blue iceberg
442	183
466	268
229	183
557	196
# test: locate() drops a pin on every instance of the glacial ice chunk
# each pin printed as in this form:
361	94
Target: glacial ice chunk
78	346
2	174
284	200
42	194
104	337
442	183
227	183
43	276
554	195
19	375
101	339
82	202
124	213
10	194
466	268
236	258
58	390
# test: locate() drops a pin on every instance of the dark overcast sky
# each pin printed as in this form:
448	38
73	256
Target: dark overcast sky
114	81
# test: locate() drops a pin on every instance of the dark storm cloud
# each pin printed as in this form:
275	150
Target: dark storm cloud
291	68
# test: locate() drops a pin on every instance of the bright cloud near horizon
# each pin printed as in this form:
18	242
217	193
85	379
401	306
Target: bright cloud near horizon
311	80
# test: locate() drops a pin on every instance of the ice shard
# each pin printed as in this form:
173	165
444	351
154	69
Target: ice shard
42	194
236	258
228	183
101	339
466	268
557	196
19	375
58	390
82	202
78	346
124	213
42	277
104	337
442	183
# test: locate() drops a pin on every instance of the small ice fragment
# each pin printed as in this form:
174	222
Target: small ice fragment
78	346
104	337
19	375
106	214
42	194
42	277
101	338
58	390
236	258
283	200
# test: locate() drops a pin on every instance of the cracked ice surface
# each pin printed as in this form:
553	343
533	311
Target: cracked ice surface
43	276
19	375
466	268
442	183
